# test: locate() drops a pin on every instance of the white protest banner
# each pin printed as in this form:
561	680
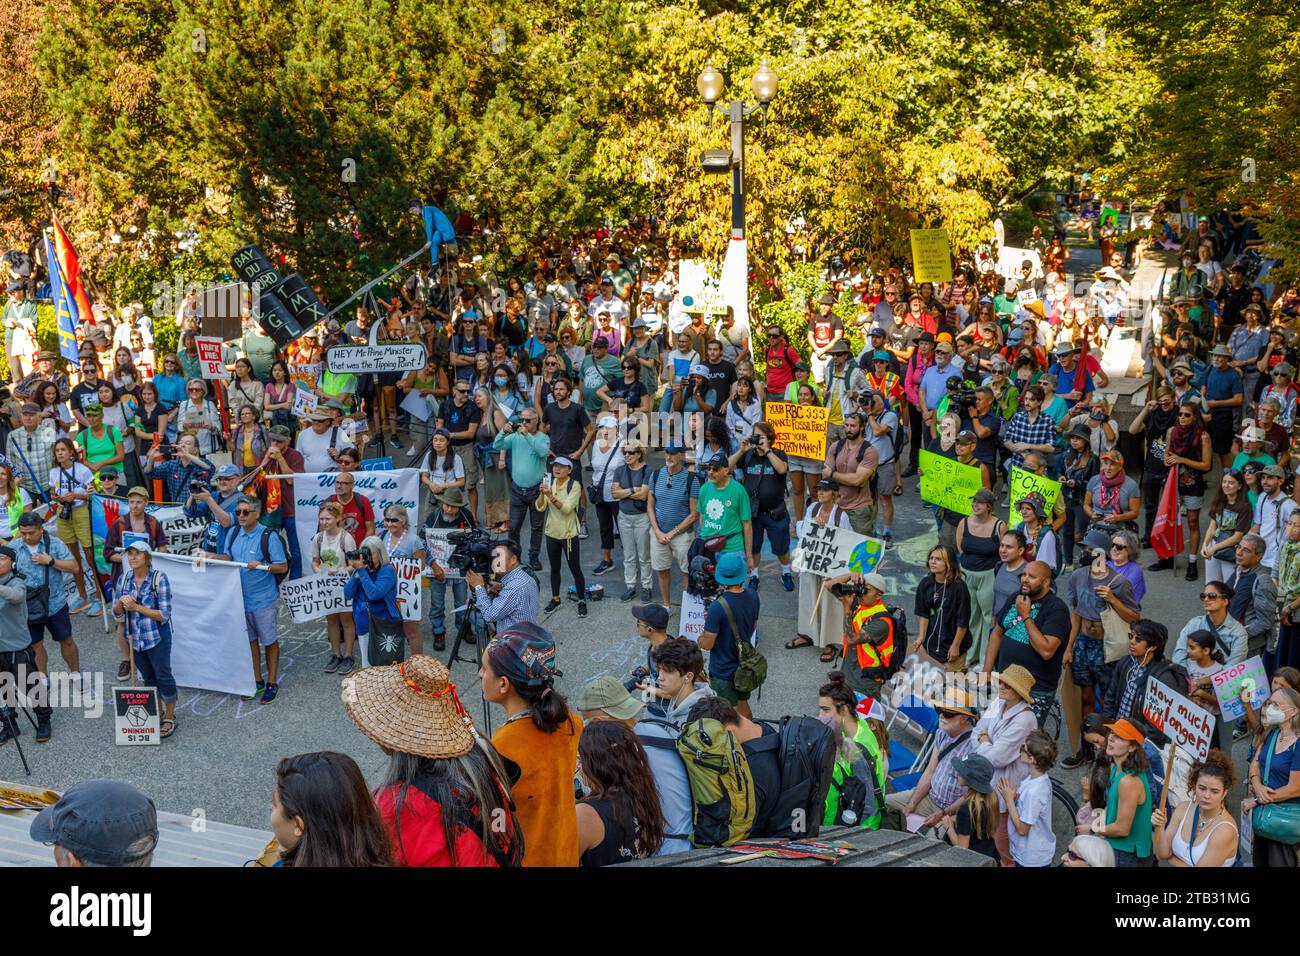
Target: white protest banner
136	719
832	551
409	588
693	615
699	288
1231	681
438	549
1010	259
393	357
209	634
383	488
1185	724
311	598
417	405
304	402
210	364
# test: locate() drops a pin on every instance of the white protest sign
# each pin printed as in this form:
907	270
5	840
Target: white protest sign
136	719
1028	294
1185	724
304	403
831	551
438	549
409	588
1231	681
394	357
311	598
382	488
417	405
210	349
693	615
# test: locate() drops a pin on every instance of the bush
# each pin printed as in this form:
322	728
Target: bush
787	307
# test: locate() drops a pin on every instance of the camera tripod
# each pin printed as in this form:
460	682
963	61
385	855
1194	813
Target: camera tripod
465	635
9	720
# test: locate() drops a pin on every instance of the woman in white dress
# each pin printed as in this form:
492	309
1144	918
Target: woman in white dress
825	629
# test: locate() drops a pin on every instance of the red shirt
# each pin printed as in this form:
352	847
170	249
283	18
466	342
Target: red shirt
356	513
423	842
780	369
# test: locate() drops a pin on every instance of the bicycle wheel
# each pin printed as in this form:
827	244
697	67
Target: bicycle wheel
1064	811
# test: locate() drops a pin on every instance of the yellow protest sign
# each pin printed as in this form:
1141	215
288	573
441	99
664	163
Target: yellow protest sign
931	257
1022	483
800	429
948	483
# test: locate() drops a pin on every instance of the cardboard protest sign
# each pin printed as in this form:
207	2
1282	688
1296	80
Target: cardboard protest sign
831	551
931	255
306	376
948	483
210	364
1185	724
417	405
800	429
409	588
136	719
438	549
1231	681
313	597
699	288
1022	483
1011	259
693	615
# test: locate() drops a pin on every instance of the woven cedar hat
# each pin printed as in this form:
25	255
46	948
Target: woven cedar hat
410	707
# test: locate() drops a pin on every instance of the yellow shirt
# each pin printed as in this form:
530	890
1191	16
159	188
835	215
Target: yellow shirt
561	519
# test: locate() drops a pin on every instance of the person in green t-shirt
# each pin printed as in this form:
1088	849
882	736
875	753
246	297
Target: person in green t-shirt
724	508
102	444
599	370
259	349
859	753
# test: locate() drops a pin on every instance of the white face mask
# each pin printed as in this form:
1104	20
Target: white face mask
1272	715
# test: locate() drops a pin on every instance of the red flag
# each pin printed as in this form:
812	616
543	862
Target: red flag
1167	534
70	268
1081	370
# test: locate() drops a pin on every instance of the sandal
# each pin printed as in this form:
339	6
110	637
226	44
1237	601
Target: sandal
164	730
829	653
799	641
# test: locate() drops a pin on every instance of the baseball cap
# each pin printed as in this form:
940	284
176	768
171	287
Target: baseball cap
601	341
717	461
279	433
880	355
654	616
674	448
1274	471
984	495
107	473
1122	728
1114	455
137	490
227	471
879	331
8	552
561	460
876	580
700	369
827	299
828	484
138	545
945	347
607	693
98	820
967	437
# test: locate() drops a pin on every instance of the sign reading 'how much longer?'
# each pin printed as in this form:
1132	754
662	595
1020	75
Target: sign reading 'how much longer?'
800	429
948	483
357	359
1185	724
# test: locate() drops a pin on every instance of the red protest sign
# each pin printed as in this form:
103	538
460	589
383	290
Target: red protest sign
210	349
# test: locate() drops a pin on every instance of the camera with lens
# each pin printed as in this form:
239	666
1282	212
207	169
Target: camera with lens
197	487
472	551
700	582
961	396
363	555
848	589
638	677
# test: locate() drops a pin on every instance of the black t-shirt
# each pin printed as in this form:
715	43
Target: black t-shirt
962	824
457	418
765	769
1053	619
567	426
630	480
84	392
986	449
902	336
765	485
722	376
631	392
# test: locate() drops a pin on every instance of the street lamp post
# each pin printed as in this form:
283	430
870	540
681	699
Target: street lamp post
710	83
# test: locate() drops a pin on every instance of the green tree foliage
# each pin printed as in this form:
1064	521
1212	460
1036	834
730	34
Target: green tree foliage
1218	107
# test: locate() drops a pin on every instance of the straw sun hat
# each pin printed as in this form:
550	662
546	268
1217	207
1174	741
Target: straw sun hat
411	707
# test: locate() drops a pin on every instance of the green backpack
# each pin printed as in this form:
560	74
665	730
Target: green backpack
722	791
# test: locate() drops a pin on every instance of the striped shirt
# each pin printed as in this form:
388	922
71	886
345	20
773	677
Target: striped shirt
945	788
518	601
673	495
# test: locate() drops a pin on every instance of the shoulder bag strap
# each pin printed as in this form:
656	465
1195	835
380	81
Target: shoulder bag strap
954	745
731	622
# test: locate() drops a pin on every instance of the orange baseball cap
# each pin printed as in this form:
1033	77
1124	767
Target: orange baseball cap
1124	729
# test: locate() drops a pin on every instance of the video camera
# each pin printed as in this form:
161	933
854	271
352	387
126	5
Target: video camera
961	395
472	552
848	589
700	582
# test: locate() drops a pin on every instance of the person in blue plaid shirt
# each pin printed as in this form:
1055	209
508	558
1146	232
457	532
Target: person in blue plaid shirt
1029	429
144	597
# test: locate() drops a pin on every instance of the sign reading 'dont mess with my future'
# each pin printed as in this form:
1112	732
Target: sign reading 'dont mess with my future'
800	429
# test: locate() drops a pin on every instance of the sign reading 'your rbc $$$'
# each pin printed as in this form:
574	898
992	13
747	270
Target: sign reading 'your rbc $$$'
800	429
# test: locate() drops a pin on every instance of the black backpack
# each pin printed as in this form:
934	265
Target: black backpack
266	547
900	638
805	750
852	804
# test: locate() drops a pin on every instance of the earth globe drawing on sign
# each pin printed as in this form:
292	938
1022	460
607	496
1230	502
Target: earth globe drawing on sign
688	300
865	557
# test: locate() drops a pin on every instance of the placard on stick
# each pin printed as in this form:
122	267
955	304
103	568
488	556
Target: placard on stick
948	483
800	429
136	719
1185	724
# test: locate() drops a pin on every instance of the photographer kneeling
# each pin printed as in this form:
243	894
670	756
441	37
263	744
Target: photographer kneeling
373	584
513	597
450	515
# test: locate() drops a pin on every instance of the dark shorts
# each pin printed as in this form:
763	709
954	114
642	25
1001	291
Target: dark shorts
1221	431
776	526
724	688
59	627
1089	667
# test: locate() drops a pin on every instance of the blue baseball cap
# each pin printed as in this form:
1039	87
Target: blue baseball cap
878	331
98	820
731	569
227	471
880	355
674	448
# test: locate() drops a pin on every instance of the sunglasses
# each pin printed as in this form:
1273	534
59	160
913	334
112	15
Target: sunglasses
1185	415
242	512
1211	596
392	520
1118	546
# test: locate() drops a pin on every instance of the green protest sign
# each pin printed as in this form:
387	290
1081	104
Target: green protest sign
1022	483
948	483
